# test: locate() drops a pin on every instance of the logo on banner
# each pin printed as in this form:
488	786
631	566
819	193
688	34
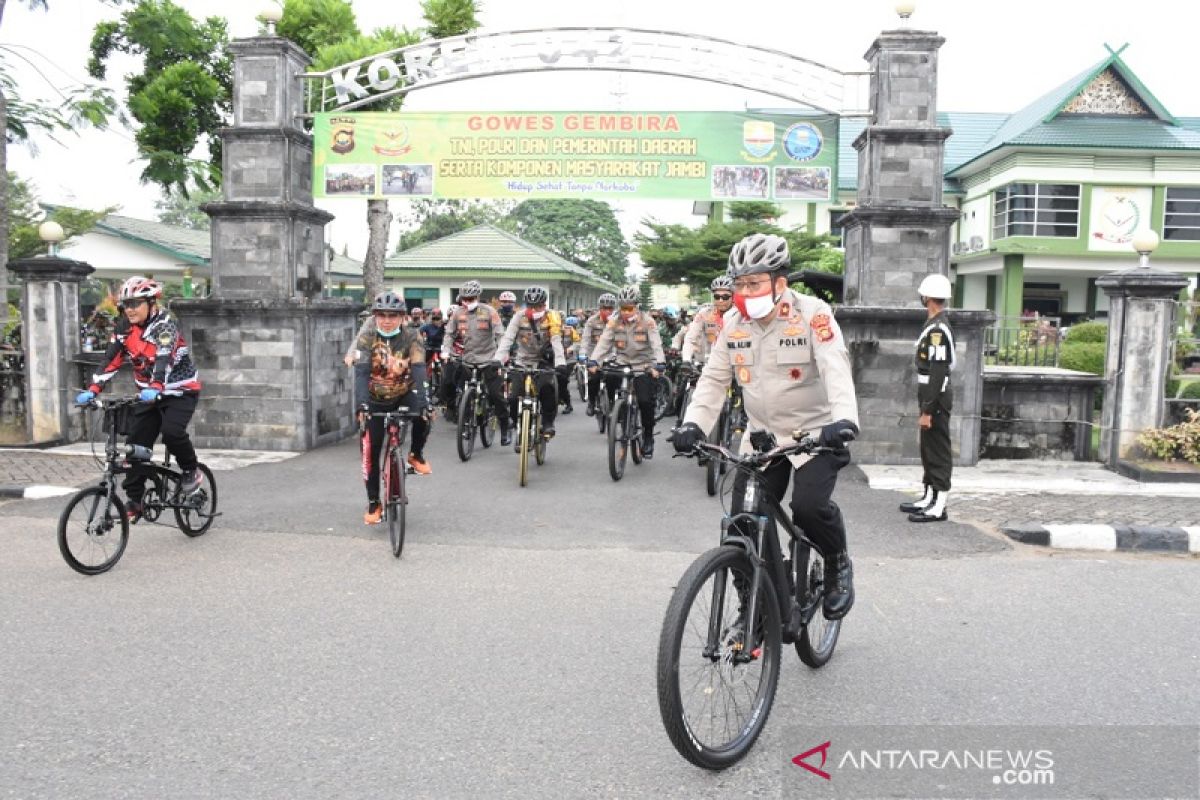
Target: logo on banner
393	141
342	135
758	137
802	142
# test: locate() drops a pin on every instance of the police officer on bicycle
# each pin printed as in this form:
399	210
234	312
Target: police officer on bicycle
632	339
476	328
538	336
592	329
706	326
789	356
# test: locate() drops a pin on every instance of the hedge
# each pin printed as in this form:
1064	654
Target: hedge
1082	356
1088	332
1191	391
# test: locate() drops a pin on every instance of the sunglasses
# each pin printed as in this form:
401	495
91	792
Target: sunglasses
135	302
722	296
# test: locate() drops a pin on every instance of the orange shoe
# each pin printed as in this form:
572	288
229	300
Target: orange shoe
373	515
420	466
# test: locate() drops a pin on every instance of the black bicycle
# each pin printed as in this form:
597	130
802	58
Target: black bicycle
93	529
392	491
475	413
624	422
731	425
734	607
530	437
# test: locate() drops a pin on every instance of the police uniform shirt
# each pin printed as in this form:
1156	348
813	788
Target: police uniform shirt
478	331
935	361
591	334
534	340
794	372
703	330
636	344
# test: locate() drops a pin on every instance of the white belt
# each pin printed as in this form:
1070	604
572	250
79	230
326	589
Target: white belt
922	379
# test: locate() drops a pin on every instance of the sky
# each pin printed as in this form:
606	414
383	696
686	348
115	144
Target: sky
997	57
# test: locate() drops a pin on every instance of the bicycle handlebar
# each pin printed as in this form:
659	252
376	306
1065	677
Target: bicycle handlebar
805	445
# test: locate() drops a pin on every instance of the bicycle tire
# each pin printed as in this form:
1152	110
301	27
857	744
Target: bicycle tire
113	511
396	502
465	428
487	424
581	384
602	409
712	469
526	432
203	505
539	442
819	636
690	597
633	424
664	392
617	449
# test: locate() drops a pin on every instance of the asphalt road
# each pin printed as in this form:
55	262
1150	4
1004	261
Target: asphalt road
511	652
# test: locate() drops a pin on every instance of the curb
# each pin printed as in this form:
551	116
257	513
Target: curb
1142	538
36	491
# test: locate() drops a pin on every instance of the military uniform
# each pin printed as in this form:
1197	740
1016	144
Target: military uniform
701	334
538	344
635	343
477	332
935	360
795	374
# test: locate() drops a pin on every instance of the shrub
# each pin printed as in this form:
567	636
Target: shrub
1177	441
1172	387
1088	332
1191	391
1082	356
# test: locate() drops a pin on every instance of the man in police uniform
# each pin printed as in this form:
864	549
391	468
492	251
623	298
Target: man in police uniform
707	324
475	328
788	354
935	360
631	337
534	340
592	330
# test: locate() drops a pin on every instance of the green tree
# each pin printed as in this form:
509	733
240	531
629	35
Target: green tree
182	95
313	24
176	208
25	215
425	220
646	294
584	232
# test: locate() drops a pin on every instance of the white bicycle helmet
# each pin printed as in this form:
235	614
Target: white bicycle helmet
629	296
721	282
471	289
139	287
607	300
759	253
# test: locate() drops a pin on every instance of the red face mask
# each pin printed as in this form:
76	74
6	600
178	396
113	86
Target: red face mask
605	313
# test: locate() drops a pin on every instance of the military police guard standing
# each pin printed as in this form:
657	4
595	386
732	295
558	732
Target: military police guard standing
935	361
790	358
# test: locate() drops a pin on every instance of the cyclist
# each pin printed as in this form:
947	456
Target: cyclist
537	335
474	329
631	338
790	358
168	384
591	334
508	305
706	325
570	343
392	377
433	332
416	317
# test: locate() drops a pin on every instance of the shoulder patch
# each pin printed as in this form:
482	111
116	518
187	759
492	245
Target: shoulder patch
165	337
822	328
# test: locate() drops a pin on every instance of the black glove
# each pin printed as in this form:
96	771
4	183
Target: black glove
563	369
686	437
494	364
838	434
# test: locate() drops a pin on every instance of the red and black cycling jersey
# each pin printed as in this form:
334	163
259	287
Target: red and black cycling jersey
159	355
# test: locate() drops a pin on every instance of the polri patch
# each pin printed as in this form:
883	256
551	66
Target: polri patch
823	328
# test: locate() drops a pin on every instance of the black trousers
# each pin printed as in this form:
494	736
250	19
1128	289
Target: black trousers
813	509
593	387
564	386
454	375
170	416
643	392
375	437
547	391
936	455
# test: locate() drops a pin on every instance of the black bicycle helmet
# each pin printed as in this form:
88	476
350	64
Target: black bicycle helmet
607	300
536	296
629	296
388	301
758	253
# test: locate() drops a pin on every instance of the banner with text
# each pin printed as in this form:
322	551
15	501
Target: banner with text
601	155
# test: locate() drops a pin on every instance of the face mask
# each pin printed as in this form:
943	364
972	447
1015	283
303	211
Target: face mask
755	307
471	305
506	308
388	334
531	314
605	313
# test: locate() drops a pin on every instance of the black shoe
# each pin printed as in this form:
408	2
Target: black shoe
191	481
547	432
505	437
919	504
648	446
921	516
567	409
839	586
133	511
591	409
735	634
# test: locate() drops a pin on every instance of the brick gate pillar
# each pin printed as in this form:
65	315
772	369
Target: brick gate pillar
898	233
267	347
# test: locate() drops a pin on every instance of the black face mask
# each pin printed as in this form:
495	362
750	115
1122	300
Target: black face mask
506	308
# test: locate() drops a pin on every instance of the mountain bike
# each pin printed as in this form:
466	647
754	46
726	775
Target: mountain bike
93	529
731	424
435	374
392	491
664	396
529	422
581	381
624	422
475	413
734	608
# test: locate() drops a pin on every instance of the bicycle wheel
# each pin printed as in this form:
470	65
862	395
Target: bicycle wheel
715	697
664	391
93	531
712	469
487	424
581	384
196	513
633	424
618	442
602	409
391	475
819	635
466	424
525	434
539	440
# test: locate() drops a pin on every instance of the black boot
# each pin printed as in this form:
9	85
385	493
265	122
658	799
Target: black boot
568	408
591	407
505	434
839	585
647	445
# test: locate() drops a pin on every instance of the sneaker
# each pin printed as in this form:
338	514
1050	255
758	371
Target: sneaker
591	409
373	515
506	437
839	586
419	465
568	408
191	481
547	432
133	511
648	446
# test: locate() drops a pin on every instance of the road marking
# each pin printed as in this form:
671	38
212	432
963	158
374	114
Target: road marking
1193	539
